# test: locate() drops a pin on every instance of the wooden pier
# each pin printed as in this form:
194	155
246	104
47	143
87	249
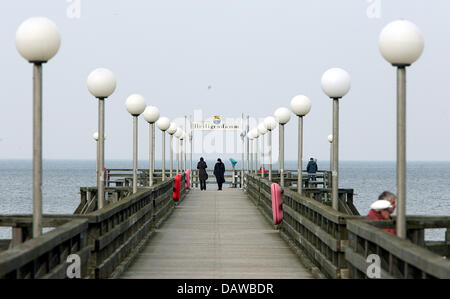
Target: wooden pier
217	235
221	234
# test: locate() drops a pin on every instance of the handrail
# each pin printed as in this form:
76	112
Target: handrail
46	255
399	258
313	227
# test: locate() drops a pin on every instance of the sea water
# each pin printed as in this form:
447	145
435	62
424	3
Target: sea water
428	188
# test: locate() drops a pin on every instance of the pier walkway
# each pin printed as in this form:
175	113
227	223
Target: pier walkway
216	235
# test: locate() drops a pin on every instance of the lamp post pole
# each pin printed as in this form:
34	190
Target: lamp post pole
256	155
37	150
270	155
248	144
150	155
251	156
171	155
262	156
281	155
401	151
300	155
335	169
163	158
191	137
135	152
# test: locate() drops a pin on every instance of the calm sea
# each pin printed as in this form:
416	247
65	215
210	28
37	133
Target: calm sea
427	184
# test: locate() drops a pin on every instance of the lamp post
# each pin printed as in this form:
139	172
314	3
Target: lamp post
163	124
171	130
135	105
182	155
300	106
247	128
262	130
336	84
178	135
151	115
401	43
37	40
282	115
95	136
250	151
255	136
330	140
270	124
191	137
101	84
185	143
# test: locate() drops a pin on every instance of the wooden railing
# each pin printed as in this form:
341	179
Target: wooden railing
107	240
311	226
124	177
412	258
237	182
47	255
118	229
88	198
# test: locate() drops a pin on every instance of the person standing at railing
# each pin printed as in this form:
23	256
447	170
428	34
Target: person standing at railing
381	210
312	168
219	172
389	196
202	174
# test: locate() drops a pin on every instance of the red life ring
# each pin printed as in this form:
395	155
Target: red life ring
277	203
187	180
177	187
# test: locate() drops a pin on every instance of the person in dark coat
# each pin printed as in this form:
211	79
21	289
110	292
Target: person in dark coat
312	169
202	174
219	172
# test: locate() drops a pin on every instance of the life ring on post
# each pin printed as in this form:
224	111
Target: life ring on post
277	203
177	187
187	180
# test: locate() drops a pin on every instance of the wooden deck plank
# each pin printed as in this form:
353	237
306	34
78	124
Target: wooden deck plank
217	235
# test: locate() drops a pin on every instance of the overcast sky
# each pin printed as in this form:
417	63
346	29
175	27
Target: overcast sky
255	54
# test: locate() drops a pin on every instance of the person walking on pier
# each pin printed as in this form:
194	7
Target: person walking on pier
202	174
219	172
311	169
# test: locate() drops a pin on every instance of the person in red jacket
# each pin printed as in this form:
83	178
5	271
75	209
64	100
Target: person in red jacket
381	210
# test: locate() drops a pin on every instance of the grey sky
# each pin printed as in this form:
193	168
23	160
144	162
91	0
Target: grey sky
256	55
